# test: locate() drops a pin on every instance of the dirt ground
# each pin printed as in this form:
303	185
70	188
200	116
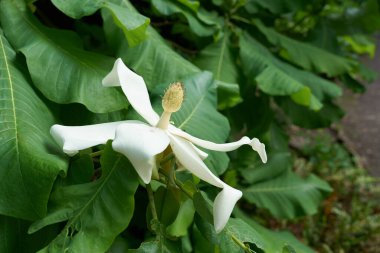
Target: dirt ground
361	124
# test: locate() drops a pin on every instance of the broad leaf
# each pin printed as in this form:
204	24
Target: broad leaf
60	69
274	242
277	164
96	212
288	195
167	204
29	162
183	220
15	238
306	55
170	7
77	8
153	59
270	75
239	231
302	117
220	60
160	246
278	78
275	6
236	231
132	23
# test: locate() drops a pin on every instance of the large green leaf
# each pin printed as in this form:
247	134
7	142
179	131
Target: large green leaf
275	6
274	242
196	24
96	212
220	60
199	117
275	77
288	195
153	59
302	117
270	76
239	231
306	55
277	164
29	164
60	69
14	236
133	24
157	246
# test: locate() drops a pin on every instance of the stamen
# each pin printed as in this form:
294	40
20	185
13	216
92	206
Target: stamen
173	97
171	102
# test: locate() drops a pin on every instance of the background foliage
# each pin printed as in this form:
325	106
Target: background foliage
263	64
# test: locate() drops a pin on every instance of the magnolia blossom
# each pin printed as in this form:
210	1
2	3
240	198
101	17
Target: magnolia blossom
140	142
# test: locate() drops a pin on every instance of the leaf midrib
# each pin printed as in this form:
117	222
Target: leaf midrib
195	108
277	189
76	217
11	88
221	57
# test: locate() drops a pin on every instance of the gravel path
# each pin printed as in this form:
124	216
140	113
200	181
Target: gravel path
361	125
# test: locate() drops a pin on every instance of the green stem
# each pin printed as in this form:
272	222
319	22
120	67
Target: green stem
241	244
167	158
97	153
241	19
151	201
180	185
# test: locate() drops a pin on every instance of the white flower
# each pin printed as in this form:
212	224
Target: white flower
141	142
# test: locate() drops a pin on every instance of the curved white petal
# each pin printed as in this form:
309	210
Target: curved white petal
259	148
134	89
203	155
75	138
140	143
189	158
223	205
225	147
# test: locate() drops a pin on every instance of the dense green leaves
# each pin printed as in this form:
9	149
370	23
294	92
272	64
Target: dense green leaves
131	23
190	10
265	73
29	162
273	241
305	55
153	59
271	75
96	212
77	73
14	236
288	195
220	60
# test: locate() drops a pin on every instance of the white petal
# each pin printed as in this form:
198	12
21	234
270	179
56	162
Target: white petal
75	138
259	148
203	155
189	158
140	143
134	89
225	147
223	205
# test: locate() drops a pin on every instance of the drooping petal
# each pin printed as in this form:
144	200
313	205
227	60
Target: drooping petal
226	199
75	138
225	147
140	143
134	89
223	205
